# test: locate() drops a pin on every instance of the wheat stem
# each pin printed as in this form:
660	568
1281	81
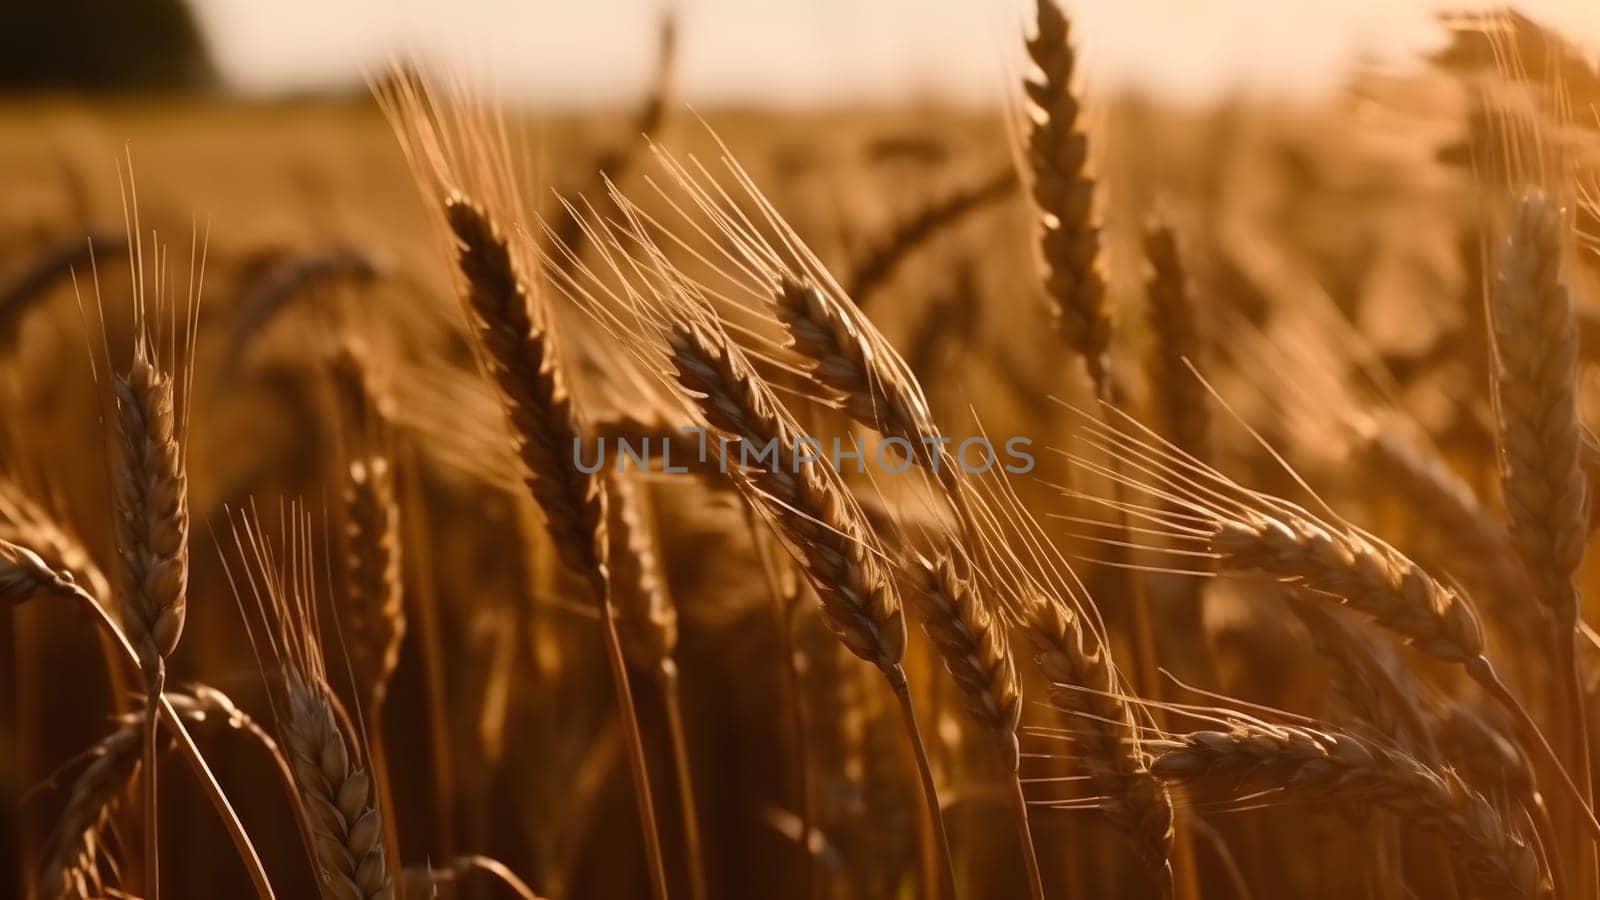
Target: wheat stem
783	602
186	745
636	758
937	847
1030	856
672	698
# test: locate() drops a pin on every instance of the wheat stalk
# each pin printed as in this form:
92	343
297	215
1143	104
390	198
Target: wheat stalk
647	621
71	866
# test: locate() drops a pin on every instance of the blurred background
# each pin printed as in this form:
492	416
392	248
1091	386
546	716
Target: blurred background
817	52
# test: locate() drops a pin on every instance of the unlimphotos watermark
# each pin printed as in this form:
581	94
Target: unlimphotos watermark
975	455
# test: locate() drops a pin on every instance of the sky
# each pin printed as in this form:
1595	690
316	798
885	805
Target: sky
816	52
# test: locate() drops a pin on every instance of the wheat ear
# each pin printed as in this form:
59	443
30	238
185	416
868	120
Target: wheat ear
1085	685
375	616
20	293
340	819
1063	193
973	646
24	522
1182	404
335	793
1536	354
814	521
1319	766
1249	533
25	575
521	360
817	523
152	509
1179	404
566	236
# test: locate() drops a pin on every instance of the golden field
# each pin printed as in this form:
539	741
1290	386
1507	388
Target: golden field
1290	602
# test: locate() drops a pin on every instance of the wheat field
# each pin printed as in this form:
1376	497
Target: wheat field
406	495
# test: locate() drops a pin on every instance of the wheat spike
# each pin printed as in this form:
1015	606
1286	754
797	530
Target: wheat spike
520	358
1063	192
152	509
1182	405
817	523
1086	685
375	615
1540	438
877	265
973	647
1321	766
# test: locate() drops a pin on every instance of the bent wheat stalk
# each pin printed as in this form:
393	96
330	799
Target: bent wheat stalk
62	584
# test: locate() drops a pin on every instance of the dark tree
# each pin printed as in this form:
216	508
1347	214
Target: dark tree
101	44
